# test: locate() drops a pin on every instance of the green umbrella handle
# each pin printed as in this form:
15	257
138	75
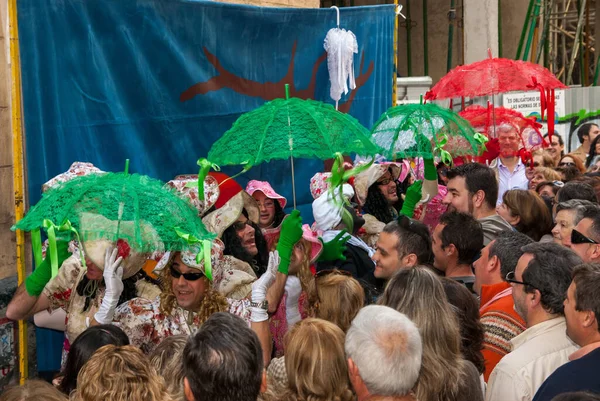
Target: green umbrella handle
287	91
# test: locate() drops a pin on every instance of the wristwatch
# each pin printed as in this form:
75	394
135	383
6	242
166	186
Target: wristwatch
261	305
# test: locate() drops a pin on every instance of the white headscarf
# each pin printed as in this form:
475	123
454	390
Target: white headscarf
326	211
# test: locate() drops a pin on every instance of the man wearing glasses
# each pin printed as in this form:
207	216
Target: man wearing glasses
501	323
539	286
585	237
582	310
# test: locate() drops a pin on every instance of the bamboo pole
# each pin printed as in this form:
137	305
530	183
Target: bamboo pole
575	45
17	147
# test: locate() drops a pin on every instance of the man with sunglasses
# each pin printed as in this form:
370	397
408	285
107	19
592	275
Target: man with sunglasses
585	237
586	135
539	286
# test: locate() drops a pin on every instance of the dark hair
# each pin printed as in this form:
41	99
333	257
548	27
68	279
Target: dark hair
584	130
234	247
129	288
465	233
592	212
377	205
84	347
555	188
535	219
569	173
549	272
576	190
466	309
592	153
223	361
577	396
587	281
279	214
507	248
478	178
413	237
557	135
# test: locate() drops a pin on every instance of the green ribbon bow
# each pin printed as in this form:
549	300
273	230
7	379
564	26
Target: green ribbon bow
339	176
444	155
205	167
204	253
481	139
51	230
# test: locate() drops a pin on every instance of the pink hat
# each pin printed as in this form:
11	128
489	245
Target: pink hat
312	237
319	184
265	188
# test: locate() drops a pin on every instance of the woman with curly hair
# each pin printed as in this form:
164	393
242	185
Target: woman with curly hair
445	375
316	364
195	287
120	373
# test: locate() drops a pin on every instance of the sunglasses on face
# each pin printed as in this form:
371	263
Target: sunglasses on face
385	181
510	278
187	276
579	238
566	164
266	204
241	225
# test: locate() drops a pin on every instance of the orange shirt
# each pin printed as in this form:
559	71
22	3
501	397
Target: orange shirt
500	321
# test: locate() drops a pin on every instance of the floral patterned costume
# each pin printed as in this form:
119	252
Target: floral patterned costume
146	326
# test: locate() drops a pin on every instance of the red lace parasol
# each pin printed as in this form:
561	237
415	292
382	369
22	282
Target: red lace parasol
499	75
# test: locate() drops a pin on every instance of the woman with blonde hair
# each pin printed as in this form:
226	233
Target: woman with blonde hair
541	174
527	212
167	359
333	295
119	374
33	390
316	364
445	376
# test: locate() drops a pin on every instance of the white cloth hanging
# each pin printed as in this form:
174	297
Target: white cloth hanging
340	45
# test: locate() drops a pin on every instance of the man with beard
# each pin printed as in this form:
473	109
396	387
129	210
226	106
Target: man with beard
511	170
473	189
539	286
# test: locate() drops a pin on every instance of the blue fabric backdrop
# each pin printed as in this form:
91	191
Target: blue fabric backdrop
106	80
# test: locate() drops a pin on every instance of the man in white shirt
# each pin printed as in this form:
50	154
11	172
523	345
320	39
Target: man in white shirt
539	282
511	170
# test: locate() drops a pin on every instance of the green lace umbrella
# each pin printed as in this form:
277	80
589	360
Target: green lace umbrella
288	128
425	130
140	202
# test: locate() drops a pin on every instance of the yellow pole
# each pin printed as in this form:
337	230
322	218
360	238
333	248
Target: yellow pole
17	144
394	95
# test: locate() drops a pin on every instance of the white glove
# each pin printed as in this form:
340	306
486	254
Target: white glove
293	288
260	287
113	275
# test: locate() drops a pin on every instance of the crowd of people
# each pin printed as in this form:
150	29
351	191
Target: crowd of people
415	282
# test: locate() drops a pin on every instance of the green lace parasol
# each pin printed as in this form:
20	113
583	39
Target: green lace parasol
425	130
138	204
289	128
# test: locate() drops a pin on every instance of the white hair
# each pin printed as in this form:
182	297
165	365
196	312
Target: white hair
385	345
